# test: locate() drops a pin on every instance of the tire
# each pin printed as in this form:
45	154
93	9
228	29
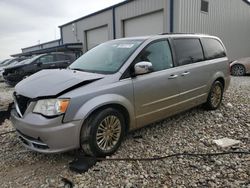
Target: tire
99	130
215	96
238	70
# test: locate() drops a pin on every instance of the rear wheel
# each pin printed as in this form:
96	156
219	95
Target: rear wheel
215	96
238	70
102	133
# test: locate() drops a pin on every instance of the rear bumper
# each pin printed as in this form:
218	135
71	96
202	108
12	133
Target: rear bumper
46	135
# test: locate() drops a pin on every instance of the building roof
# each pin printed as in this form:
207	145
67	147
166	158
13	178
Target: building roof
57	40
98	12
61	48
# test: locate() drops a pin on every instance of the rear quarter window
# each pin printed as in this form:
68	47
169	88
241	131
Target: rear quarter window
213	48
188	50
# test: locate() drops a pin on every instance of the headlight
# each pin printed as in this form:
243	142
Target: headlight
51	107
19	71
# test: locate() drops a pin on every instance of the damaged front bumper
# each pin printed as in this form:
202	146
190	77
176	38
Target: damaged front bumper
12	79
46	135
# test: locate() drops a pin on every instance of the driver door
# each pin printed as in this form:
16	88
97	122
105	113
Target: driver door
156	94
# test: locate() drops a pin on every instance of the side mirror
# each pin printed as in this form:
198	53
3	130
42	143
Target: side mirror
143	67
39	64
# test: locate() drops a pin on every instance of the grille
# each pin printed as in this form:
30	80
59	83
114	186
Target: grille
22	102
30	141
26	136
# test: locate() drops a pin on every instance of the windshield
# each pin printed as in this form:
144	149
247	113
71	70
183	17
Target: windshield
6	62
22	62
18	63
106	58
12	64
2	62
26	61
31	60
9	62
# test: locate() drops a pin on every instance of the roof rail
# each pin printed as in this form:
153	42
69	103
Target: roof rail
181	34
175	33
55	52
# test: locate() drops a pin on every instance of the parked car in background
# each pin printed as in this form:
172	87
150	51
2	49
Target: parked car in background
9	63
14	74
240	67
3	61
117	87
1	69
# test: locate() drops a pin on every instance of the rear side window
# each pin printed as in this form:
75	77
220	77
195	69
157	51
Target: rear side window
213	48
188	51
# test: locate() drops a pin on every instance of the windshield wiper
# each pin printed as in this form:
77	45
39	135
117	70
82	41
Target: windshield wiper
77	69
90	71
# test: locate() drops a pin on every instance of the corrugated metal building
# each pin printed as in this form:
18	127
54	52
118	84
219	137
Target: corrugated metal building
228	19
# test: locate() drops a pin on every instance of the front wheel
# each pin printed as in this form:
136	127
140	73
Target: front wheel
102	133
215	96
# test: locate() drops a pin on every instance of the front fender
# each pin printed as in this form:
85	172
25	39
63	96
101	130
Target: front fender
100	101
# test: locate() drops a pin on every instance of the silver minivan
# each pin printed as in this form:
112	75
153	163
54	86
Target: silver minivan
116	87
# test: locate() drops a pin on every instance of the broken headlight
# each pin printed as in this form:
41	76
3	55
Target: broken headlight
51	107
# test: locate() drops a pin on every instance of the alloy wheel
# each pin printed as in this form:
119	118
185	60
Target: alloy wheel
108	133
216	95
238	70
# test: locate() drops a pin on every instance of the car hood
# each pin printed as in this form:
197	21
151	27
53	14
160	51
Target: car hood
13	66
52	83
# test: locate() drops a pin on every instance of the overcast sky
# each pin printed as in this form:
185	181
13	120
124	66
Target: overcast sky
24	23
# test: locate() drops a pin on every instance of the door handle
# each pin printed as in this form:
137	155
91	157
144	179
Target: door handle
185	73
173	76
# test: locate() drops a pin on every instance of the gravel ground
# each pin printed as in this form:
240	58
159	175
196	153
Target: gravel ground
5	95
191	131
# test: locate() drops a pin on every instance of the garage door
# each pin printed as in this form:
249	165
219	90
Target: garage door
144	25
96	36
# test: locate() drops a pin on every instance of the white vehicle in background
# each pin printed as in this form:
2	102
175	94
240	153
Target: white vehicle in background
240	67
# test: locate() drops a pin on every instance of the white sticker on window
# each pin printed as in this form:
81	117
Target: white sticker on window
125	45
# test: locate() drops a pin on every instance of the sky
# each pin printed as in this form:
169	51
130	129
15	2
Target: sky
25	23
